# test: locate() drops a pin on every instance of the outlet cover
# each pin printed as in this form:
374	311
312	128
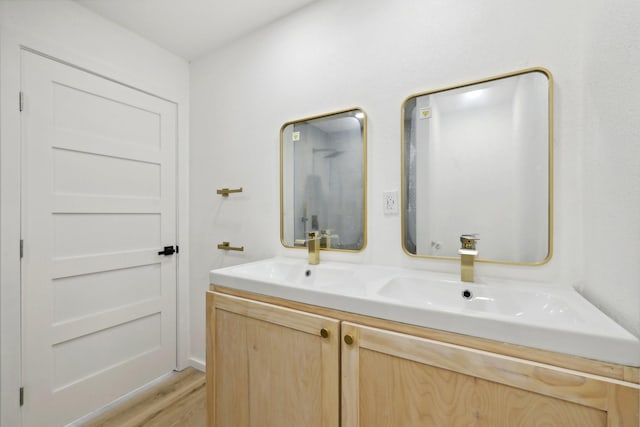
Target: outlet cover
390	202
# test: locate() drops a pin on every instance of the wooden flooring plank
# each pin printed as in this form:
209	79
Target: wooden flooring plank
179	401
189	411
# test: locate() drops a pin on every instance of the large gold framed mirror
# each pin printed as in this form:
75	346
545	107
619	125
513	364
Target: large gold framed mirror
323	180
478	159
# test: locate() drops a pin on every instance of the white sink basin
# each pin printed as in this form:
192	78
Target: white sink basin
514	302
555	319
293	273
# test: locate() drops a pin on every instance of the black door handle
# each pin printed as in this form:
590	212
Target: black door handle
168	250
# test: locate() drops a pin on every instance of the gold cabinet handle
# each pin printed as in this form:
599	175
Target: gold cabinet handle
348	339
324	333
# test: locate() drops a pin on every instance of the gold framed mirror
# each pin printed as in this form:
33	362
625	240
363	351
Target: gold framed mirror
477	158
323	174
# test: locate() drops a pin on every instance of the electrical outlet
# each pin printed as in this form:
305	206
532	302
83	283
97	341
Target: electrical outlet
390	202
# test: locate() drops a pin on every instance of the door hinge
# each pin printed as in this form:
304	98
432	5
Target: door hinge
21	396
177	249
21	248
21	101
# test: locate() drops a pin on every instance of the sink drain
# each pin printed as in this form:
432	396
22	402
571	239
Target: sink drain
307	273
466	294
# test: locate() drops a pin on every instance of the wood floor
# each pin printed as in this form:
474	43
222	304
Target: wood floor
179	401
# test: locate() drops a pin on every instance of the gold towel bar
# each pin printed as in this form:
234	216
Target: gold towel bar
226	247
225	191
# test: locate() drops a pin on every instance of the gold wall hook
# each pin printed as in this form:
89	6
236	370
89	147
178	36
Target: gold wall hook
225	246
225	191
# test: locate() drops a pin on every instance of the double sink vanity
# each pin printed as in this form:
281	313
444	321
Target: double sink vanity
294	344
301	341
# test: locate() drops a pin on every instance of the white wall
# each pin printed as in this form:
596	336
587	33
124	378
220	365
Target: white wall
611	159
68	32
336	54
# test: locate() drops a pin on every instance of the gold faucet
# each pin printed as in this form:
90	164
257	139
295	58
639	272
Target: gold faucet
325	238
313	243
468	253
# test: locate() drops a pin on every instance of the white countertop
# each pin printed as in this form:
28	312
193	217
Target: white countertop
558	320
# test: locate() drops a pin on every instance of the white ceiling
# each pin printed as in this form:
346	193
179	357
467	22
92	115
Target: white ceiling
191	28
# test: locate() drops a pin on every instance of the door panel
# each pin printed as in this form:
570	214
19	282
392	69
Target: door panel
99	179
116	120
98	203
108	347
115	287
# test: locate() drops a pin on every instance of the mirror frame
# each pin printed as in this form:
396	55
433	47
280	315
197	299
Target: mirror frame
364	178
403	196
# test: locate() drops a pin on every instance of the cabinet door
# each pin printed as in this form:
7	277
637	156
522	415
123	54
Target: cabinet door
391	379
269	366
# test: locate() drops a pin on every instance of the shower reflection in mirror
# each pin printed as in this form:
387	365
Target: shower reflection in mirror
323	180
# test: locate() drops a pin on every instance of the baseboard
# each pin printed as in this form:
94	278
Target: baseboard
197	364
120	400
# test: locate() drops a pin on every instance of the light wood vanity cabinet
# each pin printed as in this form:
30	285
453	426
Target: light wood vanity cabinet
394	379
272	367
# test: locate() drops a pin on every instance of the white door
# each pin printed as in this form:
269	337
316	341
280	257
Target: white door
98	204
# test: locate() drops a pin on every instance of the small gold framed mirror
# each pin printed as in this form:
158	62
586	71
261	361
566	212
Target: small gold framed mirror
477	158
323	180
